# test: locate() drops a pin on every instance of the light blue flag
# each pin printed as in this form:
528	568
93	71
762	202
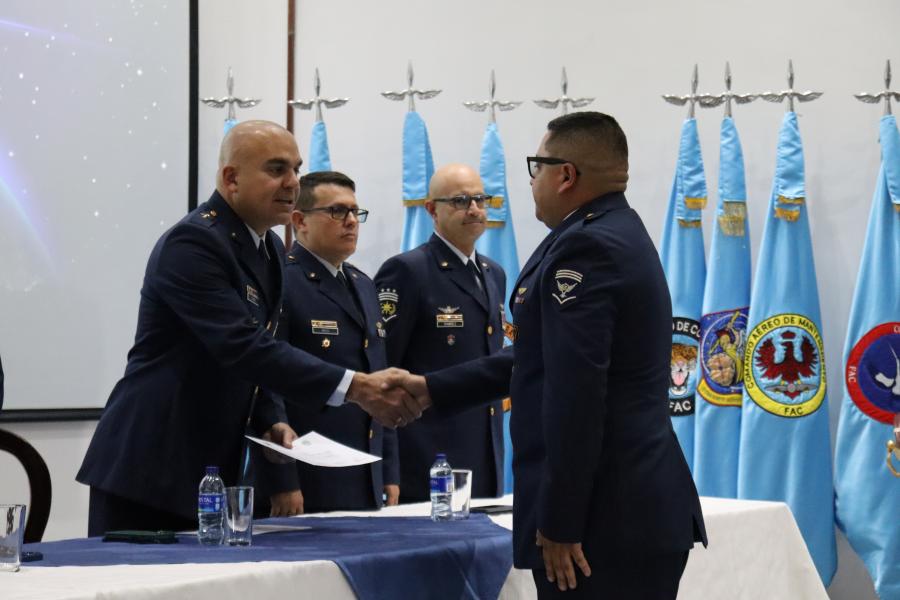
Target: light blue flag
785	448
682	255
499	243
229	123
418	167
319	156
723	329
868	492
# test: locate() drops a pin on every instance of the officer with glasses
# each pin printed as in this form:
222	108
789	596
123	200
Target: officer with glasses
331	311
442	304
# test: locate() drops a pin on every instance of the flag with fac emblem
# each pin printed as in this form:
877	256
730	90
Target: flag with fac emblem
418	167
867	486
499	243
723	329
682	255
785	448
319	156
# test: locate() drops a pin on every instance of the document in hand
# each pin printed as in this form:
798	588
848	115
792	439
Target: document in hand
318	450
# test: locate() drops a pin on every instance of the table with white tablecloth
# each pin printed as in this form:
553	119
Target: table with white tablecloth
755	551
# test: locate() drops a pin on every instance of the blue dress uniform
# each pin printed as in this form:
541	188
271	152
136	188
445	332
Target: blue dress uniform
596	460
341	325
204	342
436	316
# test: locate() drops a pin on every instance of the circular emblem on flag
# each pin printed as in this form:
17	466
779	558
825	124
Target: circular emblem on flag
784	372
722	338
683	374
873	373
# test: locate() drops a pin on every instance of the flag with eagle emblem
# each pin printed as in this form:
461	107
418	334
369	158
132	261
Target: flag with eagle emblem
867	475
785	445
682	255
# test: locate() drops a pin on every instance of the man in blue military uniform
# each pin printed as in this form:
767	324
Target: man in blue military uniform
331	311
204	355
604	502
442	304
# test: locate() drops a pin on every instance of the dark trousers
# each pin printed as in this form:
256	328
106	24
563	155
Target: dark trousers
108	512
622	578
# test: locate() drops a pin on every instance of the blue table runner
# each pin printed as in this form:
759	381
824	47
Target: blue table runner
381	557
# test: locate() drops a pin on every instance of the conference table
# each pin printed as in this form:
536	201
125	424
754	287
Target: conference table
755	551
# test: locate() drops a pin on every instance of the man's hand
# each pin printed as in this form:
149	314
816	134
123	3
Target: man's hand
415	385
391	495
286	504
283	435
389	405
558	559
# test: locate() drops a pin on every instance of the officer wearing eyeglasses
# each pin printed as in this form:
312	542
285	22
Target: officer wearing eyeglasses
331	311
442	304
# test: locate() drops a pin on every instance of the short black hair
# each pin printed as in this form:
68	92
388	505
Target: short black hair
588	129
306	198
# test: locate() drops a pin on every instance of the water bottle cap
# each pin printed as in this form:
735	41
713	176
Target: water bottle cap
213	470
440	456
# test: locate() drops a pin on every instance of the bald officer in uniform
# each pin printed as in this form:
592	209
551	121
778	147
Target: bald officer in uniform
442	304
331	311
204	356
605	506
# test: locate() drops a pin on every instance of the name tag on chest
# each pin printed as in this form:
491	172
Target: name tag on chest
324	327
449	320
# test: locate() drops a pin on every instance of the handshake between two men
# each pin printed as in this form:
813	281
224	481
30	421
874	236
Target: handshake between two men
394	397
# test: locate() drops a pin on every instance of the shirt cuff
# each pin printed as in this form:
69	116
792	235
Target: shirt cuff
340	392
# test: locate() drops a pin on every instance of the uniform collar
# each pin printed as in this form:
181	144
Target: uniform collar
330	267
459	254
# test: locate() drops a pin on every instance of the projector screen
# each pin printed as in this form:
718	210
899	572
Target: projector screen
93	168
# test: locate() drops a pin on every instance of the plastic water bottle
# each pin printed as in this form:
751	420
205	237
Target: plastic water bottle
210	506
441	477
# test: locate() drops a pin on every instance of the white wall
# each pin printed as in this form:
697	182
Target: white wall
626	53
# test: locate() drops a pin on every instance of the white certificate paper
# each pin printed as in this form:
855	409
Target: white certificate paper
318	450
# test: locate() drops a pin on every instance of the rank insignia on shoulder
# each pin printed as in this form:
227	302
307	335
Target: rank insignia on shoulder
324	327
566	280
509	330
252	295
388	300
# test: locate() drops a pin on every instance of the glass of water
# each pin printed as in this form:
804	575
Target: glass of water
238	515
12	532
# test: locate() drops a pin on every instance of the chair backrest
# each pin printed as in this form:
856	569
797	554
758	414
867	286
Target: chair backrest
38	483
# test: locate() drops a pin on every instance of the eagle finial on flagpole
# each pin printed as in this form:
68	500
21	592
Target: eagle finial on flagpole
790	93
885	95
691	99
318	100
230	100
564	101
711	100
410	92
492	102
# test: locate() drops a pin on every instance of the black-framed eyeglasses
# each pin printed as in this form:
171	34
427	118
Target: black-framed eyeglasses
339	213
534	163
463	201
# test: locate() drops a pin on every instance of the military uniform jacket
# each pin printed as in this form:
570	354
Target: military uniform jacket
596	460
209	304
322	317
435	317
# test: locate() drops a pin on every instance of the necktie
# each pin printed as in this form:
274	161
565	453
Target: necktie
477	275
340	277
261	250
343	279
